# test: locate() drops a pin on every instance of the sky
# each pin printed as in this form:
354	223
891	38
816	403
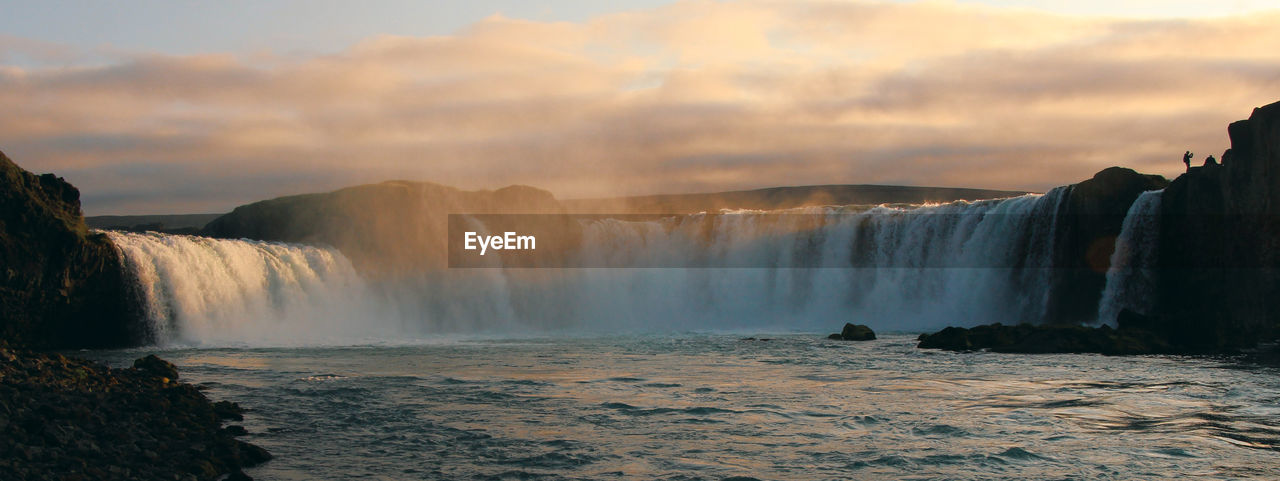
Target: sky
187	107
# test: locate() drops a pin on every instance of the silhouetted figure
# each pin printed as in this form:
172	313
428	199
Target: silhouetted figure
1186	159
1210	161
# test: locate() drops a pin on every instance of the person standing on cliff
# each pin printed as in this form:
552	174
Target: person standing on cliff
1186	159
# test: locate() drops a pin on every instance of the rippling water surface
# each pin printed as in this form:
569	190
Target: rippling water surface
718	406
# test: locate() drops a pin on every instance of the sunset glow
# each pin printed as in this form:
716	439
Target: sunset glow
691	96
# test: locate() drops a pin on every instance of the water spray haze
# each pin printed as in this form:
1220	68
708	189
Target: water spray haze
894	268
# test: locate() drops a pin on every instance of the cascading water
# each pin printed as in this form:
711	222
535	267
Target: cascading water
215	291
1131	277
913	268
892	268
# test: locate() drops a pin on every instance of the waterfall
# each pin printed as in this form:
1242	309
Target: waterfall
894	268
227	292
1131	277
915	268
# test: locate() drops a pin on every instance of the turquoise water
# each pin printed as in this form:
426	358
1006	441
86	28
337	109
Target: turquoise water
703	406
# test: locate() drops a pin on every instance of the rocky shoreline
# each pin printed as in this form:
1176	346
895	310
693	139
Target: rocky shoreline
71	419
61	286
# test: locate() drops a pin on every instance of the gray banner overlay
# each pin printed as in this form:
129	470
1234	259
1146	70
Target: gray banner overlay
868	239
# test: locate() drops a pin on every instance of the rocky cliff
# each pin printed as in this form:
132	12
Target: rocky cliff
1088	222
60	285
1220	242
1217	272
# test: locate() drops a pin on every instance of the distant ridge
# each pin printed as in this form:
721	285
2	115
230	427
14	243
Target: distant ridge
781	198
395	227
155	222
766	198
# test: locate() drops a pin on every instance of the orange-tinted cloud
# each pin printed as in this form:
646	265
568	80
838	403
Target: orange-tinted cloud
694	96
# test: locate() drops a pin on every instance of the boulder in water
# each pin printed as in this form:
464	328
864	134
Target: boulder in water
228	410
854	332
156	367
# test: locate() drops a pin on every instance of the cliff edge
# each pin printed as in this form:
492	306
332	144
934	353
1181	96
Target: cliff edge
1219	255
1217	269
60	285
1089	220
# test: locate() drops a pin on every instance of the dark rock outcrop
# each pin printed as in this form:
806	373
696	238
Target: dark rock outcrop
1217	271
64	418
1089	220
1043	339
1219	254
60	285
391	228
157	367
854	332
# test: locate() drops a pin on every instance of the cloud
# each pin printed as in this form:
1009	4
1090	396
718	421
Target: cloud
15	50
693	96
